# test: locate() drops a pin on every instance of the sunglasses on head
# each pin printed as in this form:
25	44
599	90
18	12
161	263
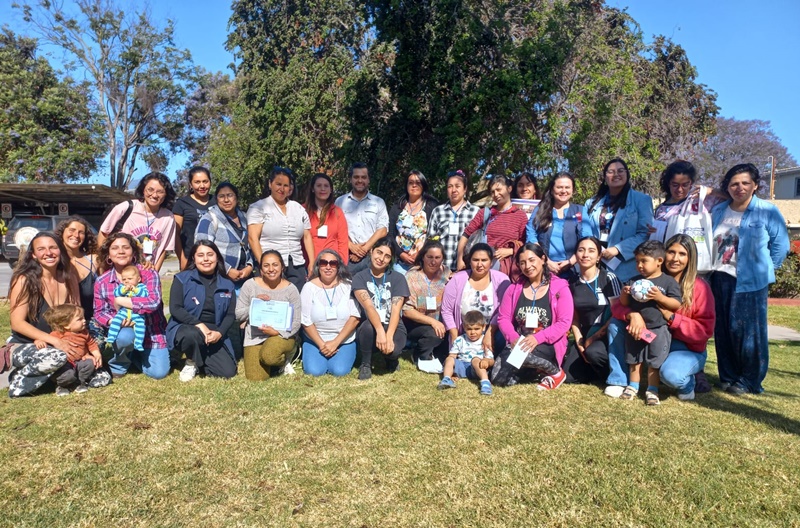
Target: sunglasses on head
332	263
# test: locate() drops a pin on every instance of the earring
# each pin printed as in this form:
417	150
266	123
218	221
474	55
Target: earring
134	259
108	261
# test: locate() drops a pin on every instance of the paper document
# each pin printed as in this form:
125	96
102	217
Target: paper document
660	232
517	355
276	314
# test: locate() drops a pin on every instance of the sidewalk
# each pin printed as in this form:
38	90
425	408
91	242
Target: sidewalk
781	333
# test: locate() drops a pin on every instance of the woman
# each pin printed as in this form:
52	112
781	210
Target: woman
279	223
449	220
119	251
409	219
202	304
266	347
594	292
503	227
226	225
328	224
329	317
748	231
620	217
557	224
535	316
43	278
477	288
421	313
381	293
80	244
190	208
525	192
148	219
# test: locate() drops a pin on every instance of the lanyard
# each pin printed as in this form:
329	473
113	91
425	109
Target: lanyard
535	291
332	297
457	211
593	285
148	221
379	290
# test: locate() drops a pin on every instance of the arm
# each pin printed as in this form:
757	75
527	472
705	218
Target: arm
696	325
451	292
462	243
363	298
778	237
160	260
308	244
177	303
254	239
179	245
505	320
530	230
343	242
394	321
19	322
243	302
151	303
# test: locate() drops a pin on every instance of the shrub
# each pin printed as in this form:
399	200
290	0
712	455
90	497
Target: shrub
787	278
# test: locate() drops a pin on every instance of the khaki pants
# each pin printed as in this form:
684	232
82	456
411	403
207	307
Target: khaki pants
258	359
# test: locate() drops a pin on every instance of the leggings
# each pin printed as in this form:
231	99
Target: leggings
32	368
212	360
365	337
259	359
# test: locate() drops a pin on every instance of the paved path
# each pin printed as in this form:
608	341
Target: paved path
781	333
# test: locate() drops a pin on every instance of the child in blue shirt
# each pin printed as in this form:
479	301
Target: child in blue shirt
467	358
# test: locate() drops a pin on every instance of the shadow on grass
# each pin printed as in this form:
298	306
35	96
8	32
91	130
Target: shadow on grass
741	407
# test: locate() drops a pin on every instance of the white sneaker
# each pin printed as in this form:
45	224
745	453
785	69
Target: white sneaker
686	397
188	372
62	391
614	391
288	369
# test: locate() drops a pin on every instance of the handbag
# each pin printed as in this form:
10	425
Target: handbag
5	357
695	223
478	236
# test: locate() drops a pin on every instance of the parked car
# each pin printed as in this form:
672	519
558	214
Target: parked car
21	230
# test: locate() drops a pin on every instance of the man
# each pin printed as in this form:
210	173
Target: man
367	218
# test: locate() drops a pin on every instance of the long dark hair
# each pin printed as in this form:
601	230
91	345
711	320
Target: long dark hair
618	201
531	179
209	244
311	204
89	245
423	181
539	252
29	268
544	214
169	197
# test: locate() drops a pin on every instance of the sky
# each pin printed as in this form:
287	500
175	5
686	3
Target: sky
746	51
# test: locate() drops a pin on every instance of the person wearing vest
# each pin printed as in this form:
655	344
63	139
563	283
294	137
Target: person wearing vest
557	225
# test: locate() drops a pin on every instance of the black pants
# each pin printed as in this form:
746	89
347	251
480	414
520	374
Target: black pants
587	367
297	275
542	360
429	345
211	360
365	337
79	373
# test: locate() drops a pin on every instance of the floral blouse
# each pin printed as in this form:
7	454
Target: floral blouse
412	230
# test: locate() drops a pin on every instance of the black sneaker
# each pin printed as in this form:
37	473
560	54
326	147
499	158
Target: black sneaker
392	365
736	390
365	372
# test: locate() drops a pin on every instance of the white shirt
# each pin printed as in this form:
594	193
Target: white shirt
726	242
314	302
282	232
364	216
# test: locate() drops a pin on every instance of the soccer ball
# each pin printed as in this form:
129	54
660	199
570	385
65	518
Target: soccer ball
640	288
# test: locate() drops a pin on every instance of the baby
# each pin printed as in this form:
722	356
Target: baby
467	356
67	322
131	286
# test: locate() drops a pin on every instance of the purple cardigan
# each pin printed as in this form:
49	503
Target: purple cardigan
451	300
561	304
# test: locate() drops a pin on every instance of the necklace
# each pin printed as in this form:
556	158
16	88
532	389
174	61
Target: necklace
411	208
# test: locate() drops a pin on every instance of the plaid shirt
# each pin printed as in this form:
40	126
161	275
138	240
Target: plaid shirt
149	307
215	226
439	228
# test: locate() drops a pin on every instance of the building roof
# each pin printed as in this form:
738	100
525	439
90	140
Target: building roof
86	193
787	171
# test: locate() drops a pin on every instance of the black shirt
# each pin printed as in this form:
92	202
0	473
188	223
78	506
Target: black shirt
593	299
653	318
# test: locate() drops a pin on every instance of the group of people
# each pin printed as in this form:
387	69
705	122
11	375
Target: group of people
484	293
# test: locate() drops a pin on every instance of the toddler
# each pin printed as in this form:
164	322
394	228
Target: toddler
67	322
131	286
467	357
653	341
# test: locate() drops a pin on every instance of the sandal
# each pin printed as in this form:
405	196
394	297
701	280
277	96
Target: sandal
651	398
628	394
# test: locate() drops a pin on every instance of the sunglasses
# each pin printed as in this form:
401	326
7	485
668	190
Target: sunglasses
332	263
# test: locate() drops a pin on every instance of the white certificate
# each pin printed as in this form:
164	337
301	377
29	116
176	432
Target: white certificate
660	232
517	355
276	314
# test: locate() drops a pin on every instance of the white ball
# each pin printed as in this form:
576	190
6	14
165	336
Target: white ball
640	288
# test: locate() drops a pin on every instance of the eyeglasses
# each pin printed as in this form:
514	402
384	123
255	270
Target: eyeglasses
621	172
415	183
226	196
325	263
155	192
684	186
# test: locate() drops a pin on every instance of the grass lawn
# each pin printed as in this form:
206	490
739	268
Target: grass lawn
394	451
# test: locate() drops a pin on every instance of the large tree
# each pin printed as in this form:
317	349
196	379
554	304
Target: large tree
137	74
47	133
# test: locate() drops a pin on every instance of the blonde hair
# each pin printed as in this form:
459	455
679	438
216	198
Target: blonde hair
132	268
690	273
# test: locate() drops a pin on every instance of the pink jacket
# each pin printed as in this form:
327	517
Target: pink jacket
561	304
451	299
693	326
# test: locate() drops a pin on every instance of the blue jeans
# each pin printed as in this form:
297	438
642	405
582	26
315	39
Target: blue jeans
680	367
154	362
401	267
618	368
339	364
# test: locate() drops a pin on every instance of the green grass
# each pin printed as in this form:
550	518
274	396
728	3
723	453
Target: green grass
394	451
788	316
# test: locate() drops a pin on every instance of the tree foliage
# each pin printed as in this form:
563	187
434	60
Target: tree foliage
47	133
137	75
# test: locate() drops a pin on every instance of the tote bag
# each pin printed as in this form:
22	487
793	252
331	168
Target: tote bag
695	223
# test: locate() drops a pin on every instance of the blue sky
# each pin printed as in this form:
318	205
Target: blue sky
748	52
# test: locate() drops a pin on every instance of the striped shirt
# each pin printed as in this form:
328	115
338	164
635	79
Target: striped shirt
441	218
504	227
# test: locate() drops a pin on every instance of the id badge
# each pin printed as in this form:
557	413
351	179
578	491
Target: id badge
408	221
430	303
604	236
382	314
322	231
601	299
147	247
453	229
532	320
330	313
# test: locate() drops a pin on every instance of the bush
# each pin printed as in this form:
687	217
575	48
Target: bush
787	278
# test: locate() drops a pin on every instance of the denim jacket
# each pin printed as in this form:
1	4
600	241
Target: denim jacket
763	243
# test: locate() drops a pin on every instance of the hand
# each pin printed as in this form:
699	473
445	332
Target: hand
610	253
203	328
268	330
486	364
460	265
127	323
502	253
626	289
380	340
329	348
438	327
358	250
636	325
666	313
117	304
654	294
389	344
213	336
147	264
39	343
234	274
651	229
529	342
263	296
407	258
97	359
553	267
487	342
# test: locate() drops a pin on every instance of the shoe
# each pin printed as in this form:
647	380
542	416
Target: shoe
392	365
81	389
614	391
629	393
188	372
117	376
446	383
736	390
651	398
288	370
486	388
62	391
723	386
701	384
686	397
365	372
552	382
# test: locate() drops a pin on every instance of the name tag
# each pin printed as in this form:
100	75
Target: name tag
148	246
532	320
601	299
322	231
382	314
430	303
408	221
453	229
604	237
330	313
